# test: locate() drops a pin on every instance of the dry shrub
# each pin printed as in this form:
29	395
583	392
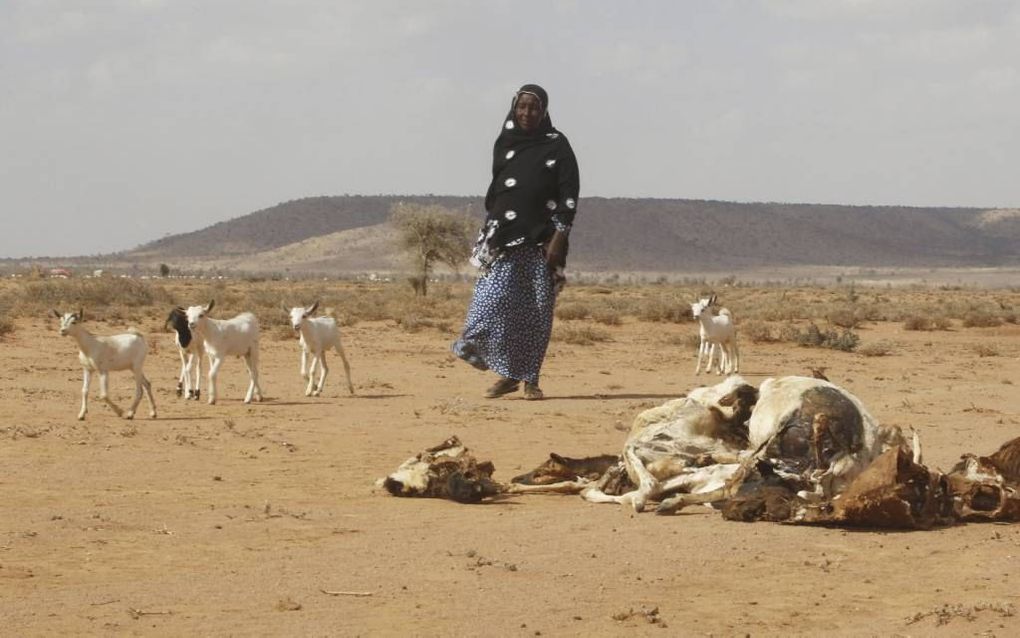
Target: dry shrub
847	317
580	334
917	322
415	323
574	310
6	325
980	319
69	295
812	336
877	349
607	317
759	332
662	310
986	350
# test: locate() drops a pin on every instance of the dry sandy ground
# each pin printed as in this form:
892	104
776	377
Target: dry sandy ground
233	519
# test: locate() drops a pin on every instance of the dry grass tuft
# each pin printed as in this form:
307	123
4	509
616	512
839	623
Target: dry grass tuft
580	334
607	317
572	310
877	349
986	350
979	319
759	332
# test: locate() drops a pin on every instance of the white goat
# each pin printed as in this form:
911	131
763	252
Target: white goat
191	351
106	354
716	330
237	337
318	335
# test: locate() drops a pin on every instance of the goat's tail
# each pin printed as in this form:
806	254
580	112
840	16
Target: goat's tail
136	332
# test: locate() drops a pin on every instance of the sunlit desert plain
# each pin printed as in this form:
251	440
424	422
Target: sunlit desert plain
237	519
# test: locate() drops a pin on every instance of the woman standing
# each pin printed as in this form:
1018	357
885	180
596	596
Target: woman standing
522	247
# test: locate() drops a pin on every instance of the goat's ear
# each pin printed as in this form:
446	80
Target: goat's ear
57	314
212	302
81	314
711	300
556	457
315	305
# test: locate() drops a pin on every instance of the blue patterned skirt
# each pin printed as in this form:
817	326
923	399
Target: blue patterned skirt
510	318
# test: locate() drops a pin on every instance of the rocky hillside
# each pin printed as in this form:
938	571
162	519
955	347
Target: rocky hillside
666	235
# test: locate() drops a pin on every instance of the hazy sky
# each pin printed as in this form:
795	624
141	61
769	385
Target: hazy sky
124	120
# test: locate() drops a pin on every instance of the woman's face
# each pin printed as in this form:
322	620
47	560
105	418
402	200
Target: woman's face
528	112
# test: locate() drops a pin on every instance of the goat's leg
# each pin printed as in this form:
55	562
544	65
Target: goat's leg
104	384
251	378
738	474
253	370
561	487
137	372
85	393
347	366
324	371
184	385
310	376
214	369
736	356
148	395
196	361
304	362
183	381
702	347
647	484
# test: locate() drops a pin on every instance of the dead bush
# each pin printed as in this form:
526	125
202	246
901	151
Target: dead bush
569	311
6	325
985	350
812	336
877	349
662	310
607	317
759	332
917	322
846	317
980	319
580	334
416	323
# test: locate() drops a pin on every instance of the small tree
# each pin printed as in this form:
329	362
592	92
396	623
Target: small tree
164	270
431	234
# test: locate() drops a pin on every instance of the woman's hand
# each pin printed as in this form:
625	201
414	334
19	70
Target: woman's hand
555	250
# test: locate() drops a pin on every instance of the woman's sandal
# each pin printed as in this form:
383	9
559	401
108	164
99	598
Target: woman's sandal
501	387
532	392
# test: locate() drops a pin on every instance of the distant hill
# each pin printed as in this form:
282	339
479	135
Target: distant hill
350	233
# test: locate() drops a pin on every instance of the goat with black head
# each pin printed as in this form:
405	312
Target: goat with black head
191	351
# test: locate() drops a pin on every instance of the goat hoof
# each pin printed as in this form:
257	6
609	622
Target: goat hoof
129	416
81	417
